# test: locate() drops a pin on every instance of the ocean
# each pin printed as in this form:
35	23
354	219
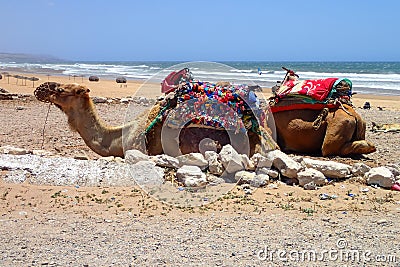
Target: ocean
381	78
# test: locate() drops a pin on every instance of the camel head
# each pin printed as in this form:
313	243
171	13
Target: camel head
64	96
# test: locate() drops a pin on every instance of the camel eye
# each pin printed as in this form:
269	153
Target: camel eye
80	91
60	90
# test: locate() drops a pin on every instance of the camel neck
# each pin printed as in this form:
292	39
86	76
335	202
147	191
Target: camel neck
103	139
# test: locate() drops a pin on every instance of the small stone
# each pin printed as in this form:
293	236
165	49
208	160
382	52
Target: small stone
260	180
107	159
245	186
324	196
359	169
214	165
124	100
231	160
310	186
20	108
329	168
273	174
248	164
193	159
260	161
41	152
146	173
191	176
99	99
273	186
13	150
164	160
382	221
311	175
247	191
81	157
381	176
364	190
133	156
244	177
214	180
286	165
23	213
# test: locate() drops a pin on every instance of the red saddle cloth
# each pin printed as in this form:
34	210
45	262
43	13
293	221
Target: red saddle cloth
317	89
170	83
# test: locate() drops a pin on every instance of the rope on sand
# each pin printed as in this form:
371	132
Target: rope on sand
44	126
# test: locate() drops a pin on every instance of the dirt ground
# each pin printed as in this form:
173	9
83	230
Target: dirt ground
118	226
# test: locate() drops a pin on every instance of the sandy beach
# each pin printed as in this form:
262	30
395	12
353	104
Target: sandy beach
122	226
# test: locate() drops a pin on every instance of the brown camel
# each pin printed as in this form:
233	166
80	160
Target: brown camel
75	102
340	133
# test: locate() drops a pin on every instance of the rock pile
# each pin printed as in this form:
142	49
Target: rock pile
190	170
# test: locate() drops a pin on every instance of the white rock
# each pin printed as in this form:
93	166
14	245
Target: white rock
119	160
246	177
107	159
381	176
193	159
214	165
13	150
311	175
231	160
273	173
359	169
124	100
191	176
81	157
394	168
260	180
270	172
248	164
214	180
41	152
285	164
133	156
99	99
164	160
260	161
310	186
330	169
147	174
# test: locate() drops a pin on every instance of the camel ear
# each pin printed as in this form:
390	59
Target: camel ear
82	91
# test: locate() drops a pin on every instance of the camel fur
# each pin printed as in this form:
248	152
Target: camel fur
105	140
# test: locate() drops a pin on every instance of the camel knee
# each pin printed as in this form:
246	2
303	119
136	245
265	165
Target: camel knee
358	147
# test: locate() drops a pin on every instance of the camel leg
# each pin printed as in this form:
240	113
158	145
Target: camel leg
358	147
339	133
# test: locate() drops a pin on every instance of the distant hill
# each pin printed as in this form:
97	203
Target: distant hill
28	58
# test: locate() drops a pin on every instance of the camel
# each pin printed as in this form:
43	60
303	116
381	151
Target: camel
335	131
105	140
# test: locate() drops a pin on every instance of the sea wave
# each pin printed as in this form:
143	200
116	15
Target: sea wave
363	79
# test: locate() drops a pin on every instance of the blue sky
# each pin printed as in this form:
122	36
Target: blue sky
313	30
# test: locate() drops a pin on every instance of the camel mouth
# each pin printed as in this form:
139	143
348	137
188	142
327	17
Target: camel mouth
45	91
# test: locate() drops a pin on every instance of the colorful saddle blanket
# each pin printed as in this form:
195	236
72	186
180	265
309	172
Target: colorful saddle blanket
232	107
